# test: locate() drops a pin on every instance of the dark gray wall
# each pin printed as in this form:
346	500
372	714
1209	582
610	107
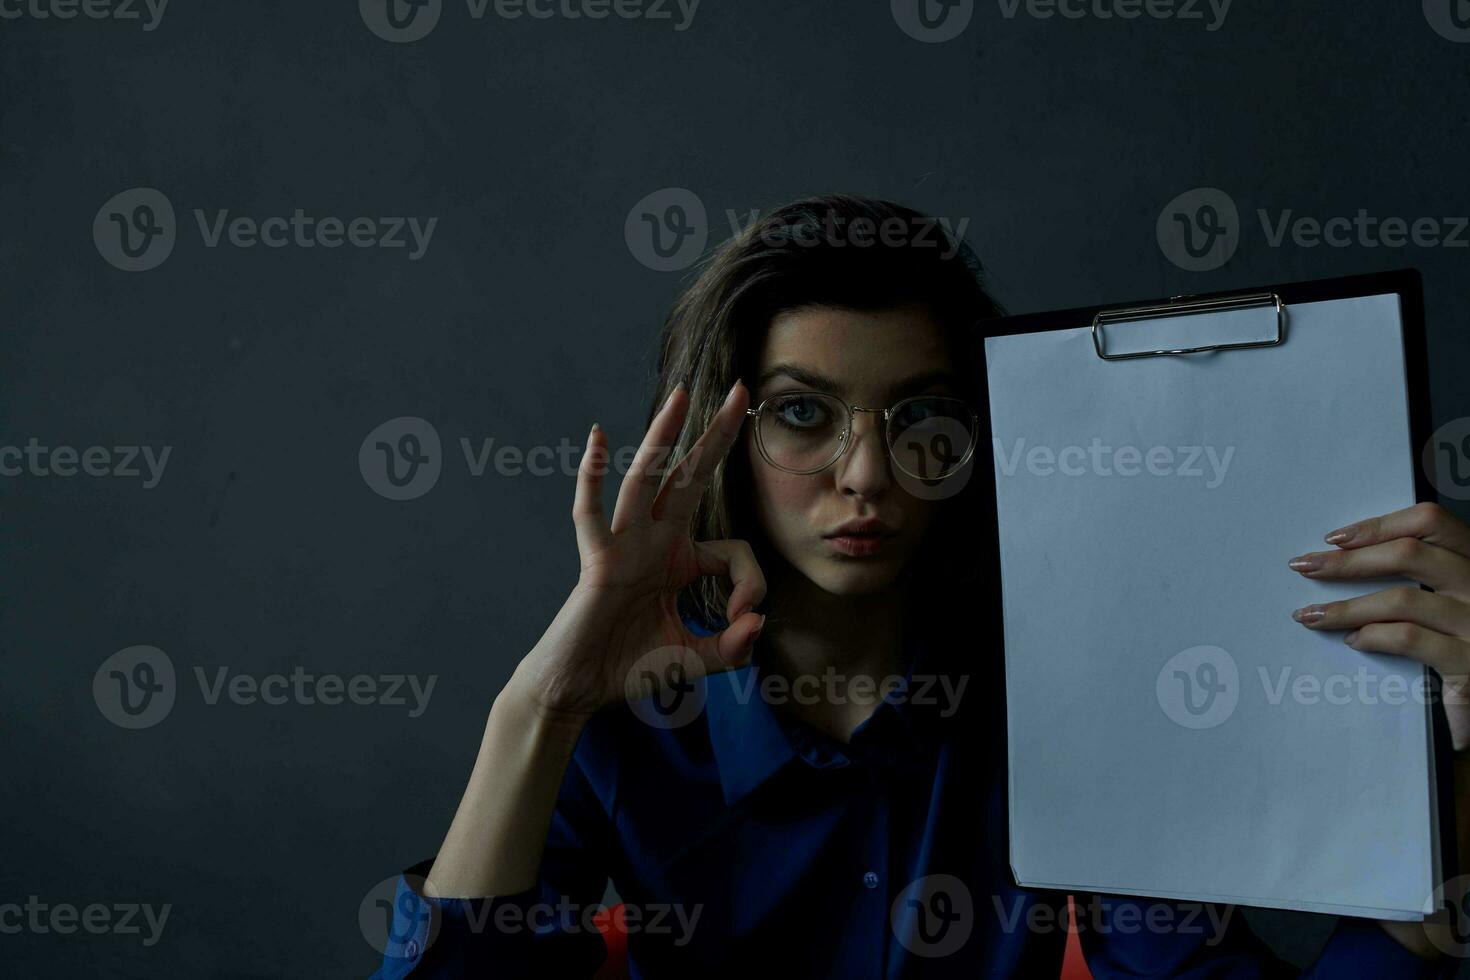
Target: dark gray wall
264	548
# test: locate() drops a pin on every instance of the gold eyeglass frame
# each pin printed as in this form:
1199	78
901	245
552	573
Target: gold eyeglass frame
844	440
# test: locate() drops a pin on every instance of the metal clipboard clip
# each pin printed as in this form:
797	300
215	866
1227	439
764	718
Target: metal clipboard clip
1184	306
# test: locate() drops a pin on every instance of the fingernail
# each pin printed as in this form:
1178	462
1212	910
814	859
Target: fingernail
670	400
1351	638
758	627
1307	615
1342	535
1306	563
592	431
733	388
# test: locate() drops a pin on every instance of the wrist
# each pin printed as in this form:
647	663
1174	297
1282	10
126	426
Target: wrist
1413	936
526	711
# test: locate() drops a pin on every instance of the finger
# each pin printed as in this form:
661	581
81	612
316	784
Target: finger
732	647
641	481
680	493
1439	568
1400	604
1427	521
734	559
1445	654
587	514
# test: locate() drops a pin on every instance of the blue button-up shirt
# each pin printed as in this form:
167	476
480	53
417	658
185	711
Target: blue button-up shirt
745	842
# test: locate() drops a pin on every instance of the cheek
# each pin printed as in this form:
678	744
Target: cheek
782	499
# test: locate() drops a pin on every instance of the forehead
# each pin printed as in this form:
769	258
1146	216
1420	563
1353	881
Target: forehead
860	349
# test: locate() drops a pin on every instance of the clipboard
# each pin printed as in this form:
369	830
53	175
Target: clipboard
1098	796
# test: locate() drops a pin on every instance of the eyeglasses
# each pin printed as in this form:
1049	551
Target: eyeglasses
929	437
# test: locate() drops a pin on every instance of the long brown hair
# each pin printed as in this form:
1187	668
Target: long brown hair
839	251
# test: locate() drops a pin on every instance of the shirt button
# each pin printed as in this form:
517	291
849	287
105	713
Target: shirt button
412	949
870	879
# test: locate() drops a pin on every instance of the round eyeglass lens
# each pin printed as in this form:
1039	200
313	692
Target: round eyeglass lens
930	438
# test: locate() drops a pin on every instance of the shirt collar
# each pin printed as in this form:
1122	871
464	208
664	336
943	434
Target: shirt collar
752	739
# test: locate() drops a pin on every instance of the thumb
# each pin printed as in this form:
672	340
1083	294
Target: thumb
731	648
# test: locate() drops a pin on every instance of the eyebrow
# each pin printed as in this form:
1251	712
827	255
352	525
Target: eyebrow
820	382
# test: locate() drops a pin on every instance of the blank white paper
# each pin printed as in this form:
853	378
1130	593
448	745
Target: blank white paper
1173	732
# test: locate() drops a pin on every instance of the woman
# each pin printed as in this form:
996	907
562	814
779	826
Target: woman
769	710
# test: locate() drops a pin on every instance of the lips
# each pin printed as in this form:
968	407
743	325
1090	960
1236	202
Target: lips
862	538
867	528
859	546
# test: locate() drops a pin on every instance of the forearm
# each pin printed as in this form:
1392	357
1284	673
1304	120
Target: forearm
495	842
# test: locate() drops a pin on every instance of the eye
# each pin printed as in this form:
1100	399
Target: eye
802	411
918	411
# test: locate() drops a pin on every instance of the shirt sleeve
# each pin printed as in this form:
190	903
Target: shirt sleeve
546	930
1127	937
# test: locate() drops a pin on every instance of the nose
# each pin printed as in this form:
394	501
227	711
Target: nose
862	470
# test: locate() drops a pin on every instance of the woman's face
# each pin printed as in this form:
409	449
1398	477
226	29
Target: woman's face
869	359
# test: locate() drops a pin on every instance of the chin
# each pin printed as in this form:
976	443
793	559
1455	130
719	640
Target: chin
846	576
